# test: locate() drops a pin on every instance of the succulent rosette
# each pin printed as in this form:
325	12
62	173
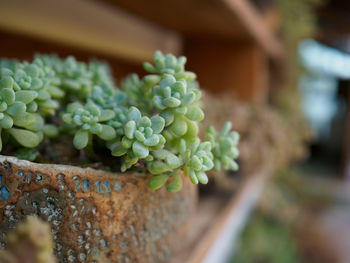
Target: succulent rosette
88	120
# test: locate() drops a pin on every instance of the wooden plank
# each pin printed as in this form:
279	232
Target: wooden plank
225	19
23	47
89	25
256	26
238	70
218	243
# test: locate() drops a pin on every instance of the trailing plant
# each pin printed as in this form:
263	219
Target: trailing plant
151	123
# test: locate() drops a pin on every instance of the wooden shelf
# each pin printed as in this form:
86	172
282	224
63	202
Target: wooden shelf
219	220
89	25
226	19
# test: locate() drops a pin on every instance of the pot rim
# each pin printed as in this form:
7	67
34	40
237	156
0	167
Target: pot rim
65	168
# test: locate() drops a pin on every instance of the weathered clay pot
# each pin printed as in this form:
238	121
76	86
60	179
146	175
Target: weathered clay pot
95	216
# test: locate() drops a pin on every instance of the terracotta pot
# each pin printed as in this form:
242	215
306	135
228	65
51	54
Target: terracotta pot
95	216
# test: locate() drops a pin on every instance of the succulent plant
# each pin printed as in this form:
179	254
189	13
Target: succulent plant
199	161
141	135
14	116
151	123
173	98
169	64
88	119
138	91
224	147
107	98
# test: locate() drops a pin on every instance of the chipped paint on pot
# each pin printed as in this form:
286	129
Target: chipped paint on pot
95	216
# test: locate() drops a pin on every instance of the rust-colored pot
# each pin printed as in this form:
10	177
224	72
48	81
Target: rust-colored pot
95	216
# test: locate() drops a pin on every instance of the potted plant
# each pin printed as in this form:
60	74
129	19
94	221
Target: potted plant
140	137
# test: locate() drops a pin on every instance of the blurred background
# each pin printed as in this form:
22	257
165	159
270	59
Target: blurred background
278	69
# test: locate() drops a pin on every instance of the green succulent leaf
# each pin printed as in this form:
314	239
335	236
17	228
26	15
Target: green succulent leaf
8	95
173	161
107	132
81	139
202	177
158	124
175	185
24	119
140	150
25	138
16	108
179	126
106	115
118	149
157	167
26	96
130	128
134	114
6	82
195	113
157	181
6	122
29	154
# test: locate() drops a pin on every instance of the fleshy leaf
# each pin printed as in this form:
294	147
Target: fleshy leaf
8	95
157	167
195	113
6	122
81	139
107	132
134	114
25	96
157	124
157	181
106	115
202	177
24	119
129	129
16	108
140	150
118	149
24	137
179	127
6	82
173	161
175	185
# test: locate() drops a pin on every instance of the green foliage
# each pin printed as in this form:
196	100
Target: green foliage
151	122
141	135
88	120
224	147
29	154
199	161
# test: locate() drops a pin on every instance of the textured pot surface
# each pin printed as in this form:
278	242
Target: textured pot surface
95	216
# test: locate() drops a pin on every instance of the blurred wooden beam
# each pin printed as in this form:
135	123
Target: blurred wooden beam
238	69
221	19
255	25
89	25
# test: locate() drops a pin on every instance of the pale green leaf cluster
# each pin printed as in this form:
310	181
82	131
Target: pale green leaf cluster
89	119
141	135
224	147
27	94
151	122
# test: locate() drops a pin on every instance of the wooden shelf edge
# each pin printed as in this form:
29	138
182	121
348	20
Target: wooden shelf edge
256	27
88	25
218	243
